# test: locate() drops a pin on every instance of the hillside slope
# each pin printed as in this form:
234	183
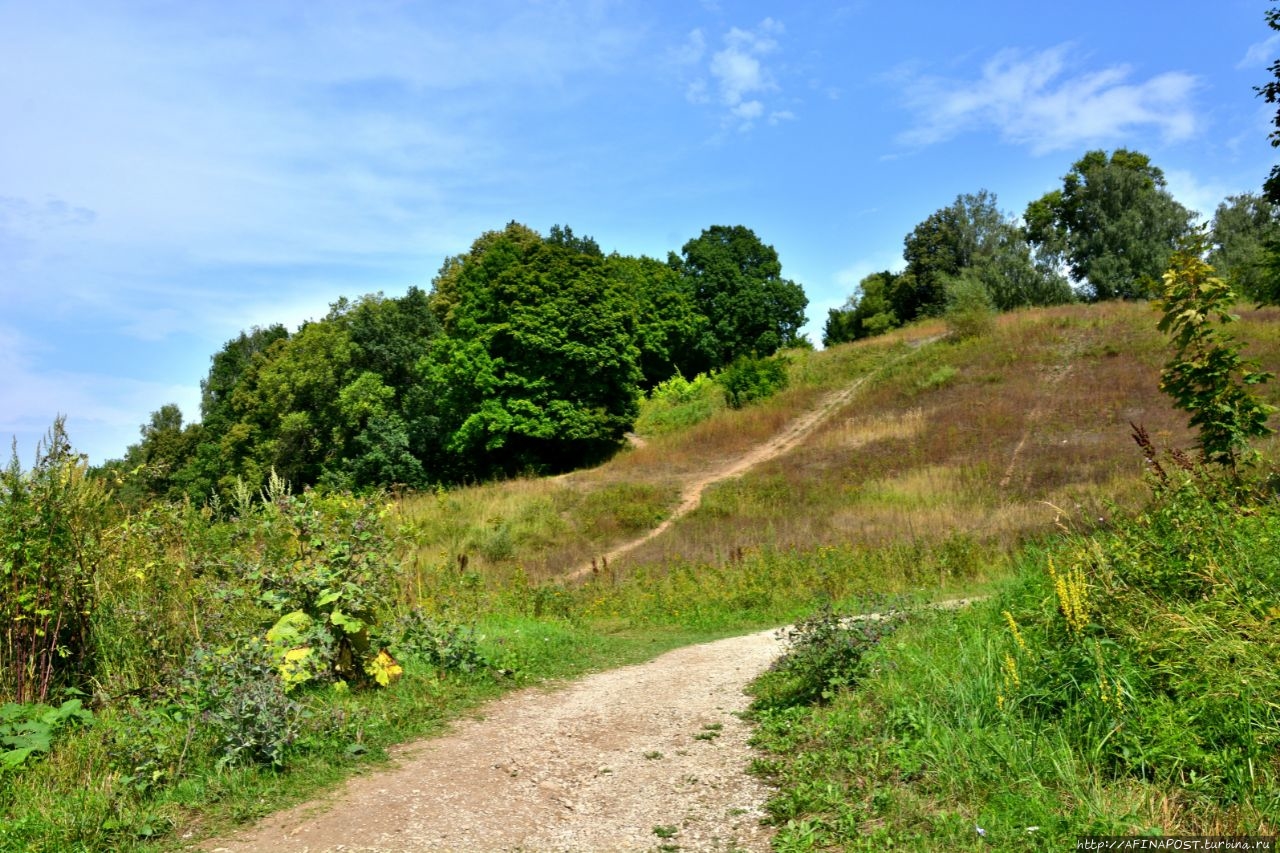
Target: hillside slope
994	439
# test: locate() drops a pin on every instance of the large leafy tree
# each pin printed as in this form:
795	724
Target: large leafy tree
972	238
736	283
1245	228
536	369
672	335
1113	221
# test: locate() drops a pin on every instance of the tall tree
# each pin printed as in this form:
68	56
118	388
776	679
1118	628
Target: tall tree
736	282
672	336
536	368
1114	222
971	237
866	313
1245	227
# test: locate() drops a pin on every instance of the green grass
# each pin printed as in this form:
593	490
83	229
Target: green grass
955	468
1129	691
77	801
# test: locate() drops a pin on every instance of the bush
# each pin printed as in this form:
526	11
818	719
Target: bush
749	379
678	403
241	698
51	528
825	656
970	313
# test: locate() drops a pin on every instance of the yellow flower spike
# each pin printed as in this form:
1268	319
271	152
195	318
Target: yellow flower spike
1013	629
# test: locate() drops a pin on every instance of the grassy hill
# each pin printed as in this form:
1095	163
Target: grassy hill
939	469
992	440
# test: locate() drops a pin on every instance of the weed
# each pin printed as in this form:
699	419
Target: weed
664	831
825	655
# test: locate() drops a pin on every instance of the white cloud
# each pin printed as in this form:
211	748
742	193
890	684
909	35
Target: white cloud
738	76
1260	55
692	51
1030	100
103	412
1203	197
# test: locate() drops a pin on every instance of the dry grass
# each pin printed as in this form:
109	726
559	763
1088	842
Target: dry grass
999	438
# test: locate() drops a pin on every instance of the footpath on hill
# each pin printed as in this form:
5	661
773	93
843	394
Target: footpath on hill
691	492
645	757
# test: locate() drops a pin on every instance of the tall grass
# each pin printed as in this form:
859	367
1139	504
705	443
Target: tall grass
1122	682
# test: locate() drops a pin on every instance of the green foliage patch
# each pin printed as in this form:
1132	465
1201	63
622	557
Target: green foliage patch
751	378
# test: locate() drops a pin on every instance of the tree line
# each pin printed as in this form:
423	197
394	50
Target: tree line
1108	233
528	354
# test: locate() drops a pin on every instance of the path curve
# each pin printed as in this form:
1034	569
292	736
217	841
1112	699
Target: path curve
595	766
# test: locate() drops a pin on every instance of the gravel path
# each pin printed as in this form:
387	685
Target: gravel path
597	765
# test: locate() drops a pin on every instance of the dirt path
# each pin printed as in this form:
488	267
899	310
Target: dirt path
598	765
633	759
691	494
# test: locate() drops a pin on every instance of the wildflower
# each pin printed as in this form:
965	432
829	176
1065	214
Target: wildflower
981	832
1013	629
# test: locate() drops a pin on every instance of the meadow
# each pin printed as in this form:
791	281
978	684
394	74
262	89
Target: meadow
956	468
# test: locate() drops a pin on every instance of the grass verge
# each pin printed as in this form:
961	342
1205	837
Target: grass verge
1122	682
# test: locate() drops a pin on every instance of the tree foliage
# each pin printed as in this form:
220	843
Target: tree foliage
1246	229
972	237
866	313
1113	221
736	283
672	335
528	354
1207	376
536	369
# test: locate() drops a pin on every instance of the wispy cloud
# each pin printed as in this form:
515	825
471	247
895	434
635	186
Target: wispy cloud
1037	100
1198	195
736	78
1260	54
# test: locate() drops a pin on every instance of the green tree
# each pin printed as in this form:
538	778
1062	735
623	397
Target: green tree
672	335
971	236
1245	227
154	467
1113	221
1207	376
737	284
536	368
866	313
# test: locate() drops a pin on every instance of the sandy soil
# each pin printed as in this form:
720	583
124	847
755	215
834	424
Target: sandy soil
597	765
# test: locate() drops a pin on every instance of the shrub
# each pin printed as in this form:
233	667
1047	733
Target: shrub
51	525
677	403
825	655
750	378
326	566
970	313
1207	376
451	648
241	698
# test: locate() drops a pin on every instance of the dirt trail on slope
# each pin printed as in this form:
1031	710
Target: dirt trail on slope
595	766
691	495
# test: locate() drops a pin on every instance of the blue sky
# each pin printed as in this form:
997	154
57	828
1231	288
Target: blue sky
174	172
